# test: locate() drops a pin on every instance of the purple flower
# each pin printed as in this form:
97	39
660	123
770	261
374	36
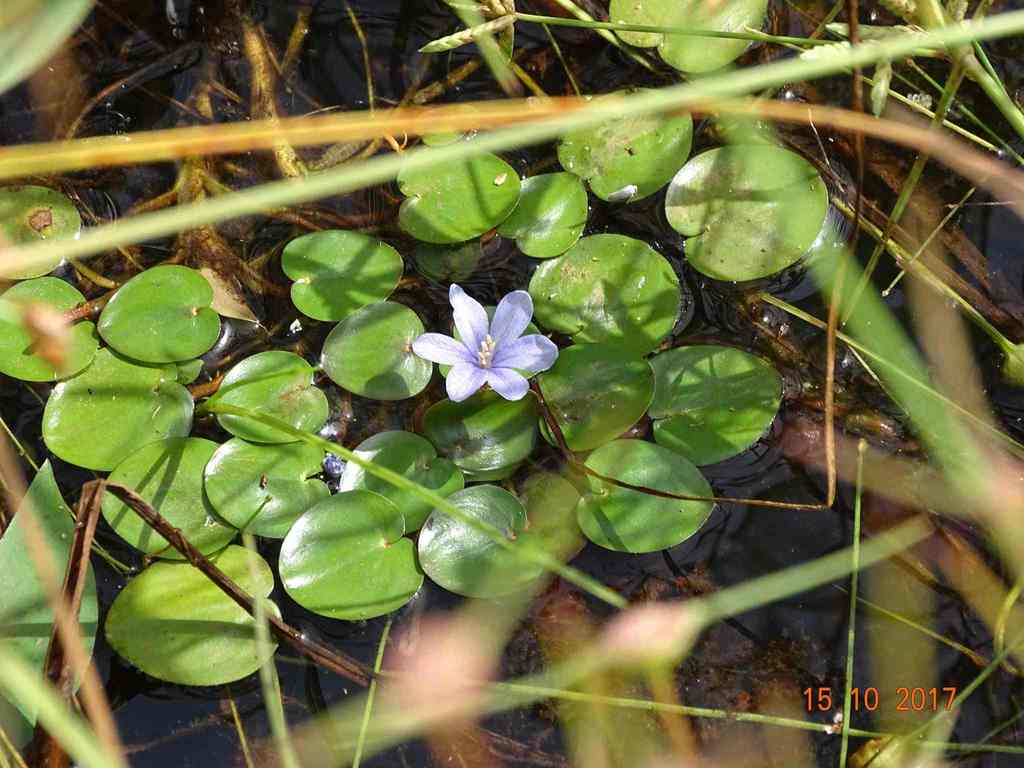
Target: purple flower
489	353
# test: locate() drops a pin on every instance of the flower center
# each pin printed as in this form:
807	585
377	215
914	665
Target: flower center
486	351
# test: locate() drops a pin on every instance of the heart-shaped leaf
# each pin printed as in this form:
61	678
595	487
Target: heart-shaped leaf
596	393
168	475
26	620
176	625
370	353
749	211
29	214
346	558
712	402
464	560
18	353
550	217
608	289
264	488
448	263
413	457
337	272
277	384
631	521
458	200
112	409
483	433
629	158
690	53
161	315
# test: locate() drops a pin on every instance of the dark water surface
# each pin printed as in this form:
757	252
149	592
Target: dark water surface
763	660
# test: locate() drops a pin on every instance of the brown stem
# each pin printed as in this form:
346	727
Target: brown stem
320	655
45	751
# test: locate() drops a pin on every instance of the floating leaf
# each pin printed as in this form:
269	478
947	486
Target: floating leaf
18	357
189	371
277	384
629	158
264	488
712	402
596	393
168	475
631	521
749	211
690	53
608	289
29	214
26	620
483	433
550	217
337	272
161	315
457	200
176	625
464	560
112	409
550	501
370	353
448	263
413	457
346	558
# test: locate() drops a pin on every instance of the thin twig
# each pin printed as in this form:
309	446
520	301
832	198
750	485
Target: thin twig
319	654
45	749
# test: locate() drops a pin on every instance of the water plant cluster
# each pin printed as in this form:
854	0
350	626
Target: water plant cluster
585	409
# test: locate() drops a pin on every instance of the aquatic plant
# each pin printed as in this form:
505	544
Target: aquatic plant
709	399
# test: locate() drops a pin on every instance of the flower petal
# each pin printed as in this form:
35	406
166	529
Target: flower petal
528	353
439	348
470	317
463	380
507	383
511	317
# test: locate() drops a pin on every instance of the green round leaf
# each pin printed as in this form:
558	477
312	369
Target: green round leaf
630	521
690	53
749	211
176	625
162	315
346	558
630	158
29	214
608	289
264	488
550	502
448	263
596	394
550	217
112	409
483	433
370	353
277	384
411	456
168	475
189	371
18	358
457	200
26	620
466	561
712	402
336	272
